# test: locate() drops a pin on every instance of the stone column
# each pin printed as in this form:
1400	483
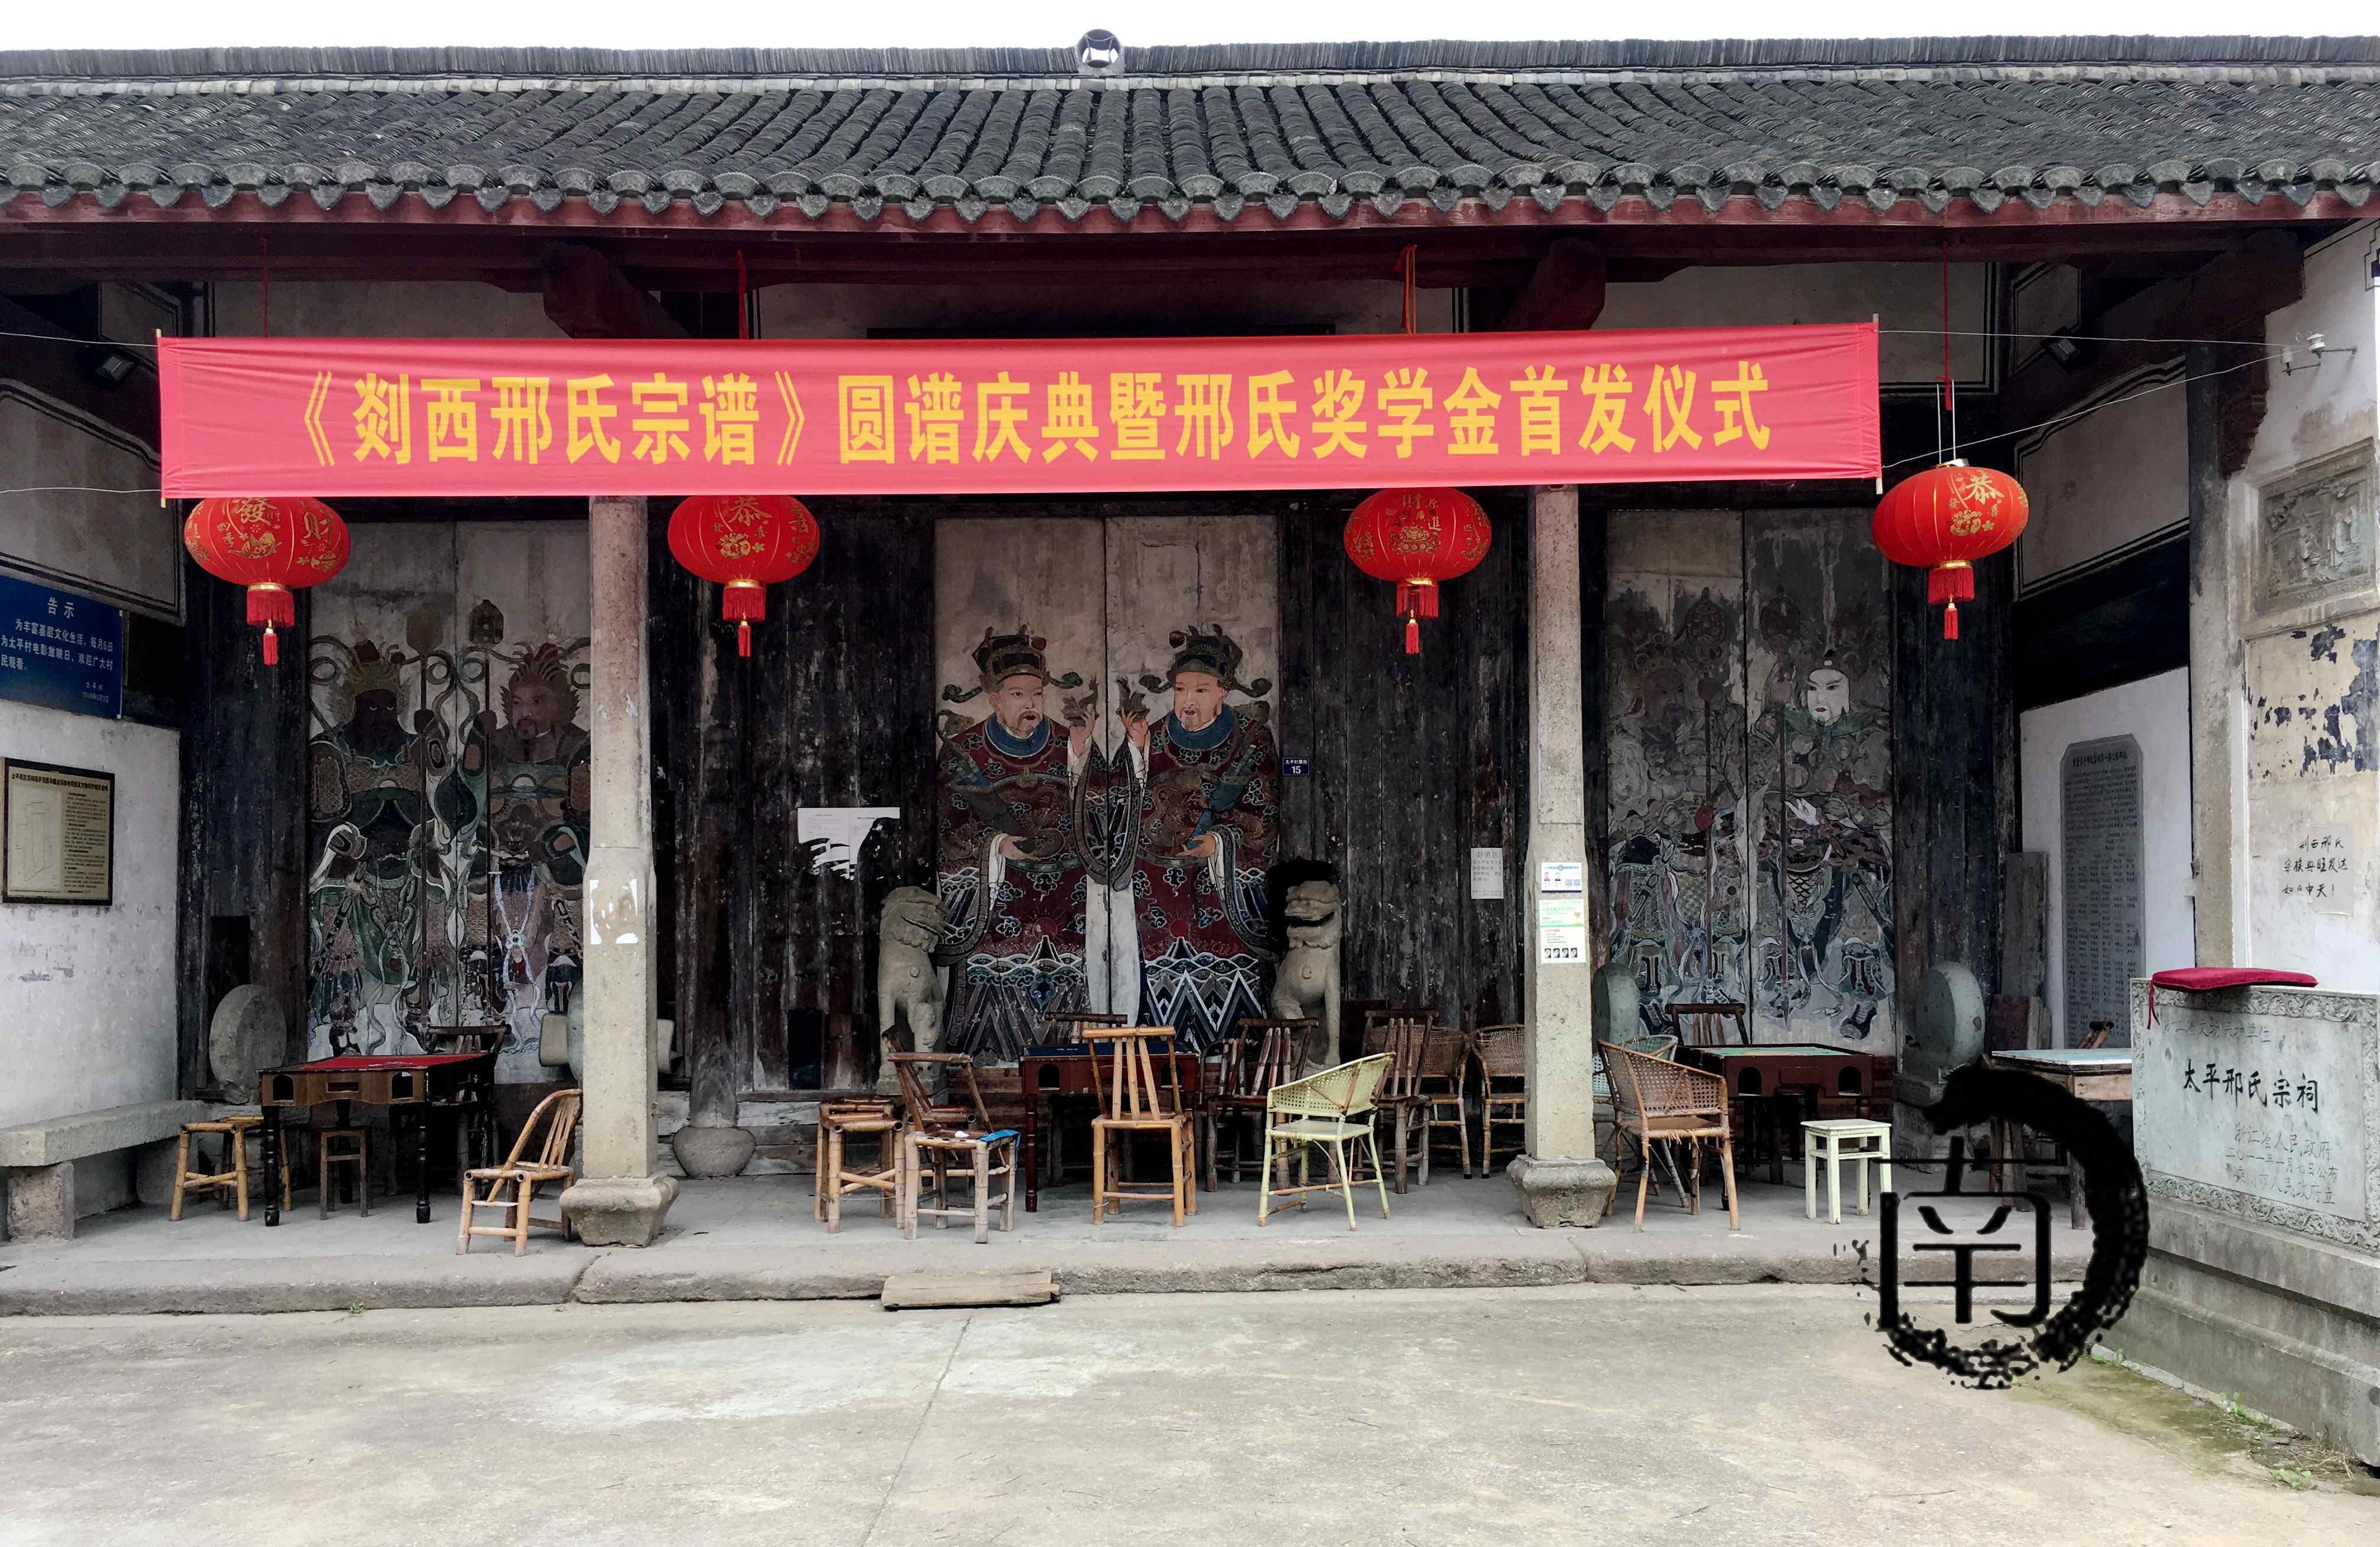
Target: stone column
621	1198
2219	711
1560	1180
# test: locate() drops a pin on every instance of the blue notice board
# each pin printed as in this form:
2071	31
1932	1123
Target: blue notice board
60	650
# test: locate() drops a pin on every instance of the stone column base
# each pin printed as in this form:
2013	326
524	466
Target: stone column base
41	1202
1562	1191
618	1211
712	1150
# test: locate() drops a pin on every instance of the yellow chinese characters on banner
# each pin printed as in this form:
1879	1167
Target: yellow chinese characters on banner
515	416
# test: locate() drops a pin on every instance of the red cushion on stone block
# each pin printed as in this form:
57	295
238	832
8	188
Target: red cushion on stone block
2198	980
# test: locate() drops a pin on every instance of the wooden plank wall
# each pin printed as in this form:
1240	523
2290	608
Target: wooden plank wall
241	903
833	709
1416	760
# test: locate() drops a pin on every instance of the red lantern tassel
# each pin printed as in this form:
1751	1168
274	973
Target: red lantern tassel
1951	621
269	605
1951	583
743	602
1427	592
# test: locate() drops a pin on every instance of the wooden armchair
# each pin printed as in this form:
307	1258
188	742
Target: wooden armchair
1262	1057
1708	1025
1654	1099
535	1161
1135	1099
1402	1104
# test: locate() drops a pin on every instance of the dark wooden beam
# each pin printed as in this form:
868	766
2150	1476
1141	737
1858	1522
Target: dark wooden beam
54	370
2229	295
587	296
1565	292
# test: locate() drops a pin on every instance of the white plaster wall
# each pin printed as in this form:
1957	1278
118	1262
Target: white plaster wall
339	310
2288	778
1907	297
2114	481
87	994
2153	712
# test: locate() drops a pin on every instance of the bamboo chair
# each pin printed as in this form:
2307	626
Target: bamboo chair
1136	1100
1501	1055
1445	1076
1065	1029
939	1130
559	1114
1401	1103
1707	1024
1658	1047
1269	1055
1333	1109
1656	1100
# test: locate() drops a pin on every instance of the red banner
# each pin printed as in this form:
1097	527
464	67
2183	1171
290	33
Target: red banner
807	416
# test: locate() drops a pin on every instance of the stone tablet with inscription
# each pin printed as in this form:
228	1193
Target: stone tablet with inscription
2103	906
2262	1103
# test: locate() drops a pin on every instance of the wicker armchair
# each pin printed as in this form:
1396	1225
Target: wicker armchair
1652	1100
1502	1054
1333	1109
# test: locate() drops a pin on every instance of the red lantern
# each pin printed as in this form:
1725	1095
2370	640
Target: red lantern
744	542
1417	537
1946	518
274	547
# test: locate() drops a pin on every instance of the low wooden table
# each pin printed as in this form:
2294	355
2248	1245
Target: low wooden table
465	1081
1044	1072
2093	1074
1811	1080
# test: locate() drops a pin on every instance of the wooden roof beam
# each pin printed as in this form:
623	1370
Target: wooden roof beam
1566	291
587	296
2231	294
54	370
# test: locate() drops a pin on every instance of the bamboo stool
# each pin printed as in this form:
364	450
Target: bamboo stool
980	1150
233	1178
831	1182
358	1157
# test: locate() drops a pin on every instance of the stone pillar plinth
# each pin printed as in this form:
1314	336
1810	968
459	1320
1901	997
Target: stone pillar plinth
621	1197
1560	1180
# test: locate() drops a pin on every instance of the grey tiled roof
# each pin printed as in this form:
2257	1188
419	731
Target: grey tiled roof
795	135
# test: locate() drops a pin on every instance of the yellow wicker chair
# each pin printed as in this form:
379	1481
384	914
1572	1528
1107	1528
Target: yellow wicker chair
1333	1109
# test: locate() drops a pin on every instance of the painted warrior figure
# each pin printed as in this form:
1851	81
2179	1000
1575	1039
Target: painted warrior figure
1012	809
532	762
1199	817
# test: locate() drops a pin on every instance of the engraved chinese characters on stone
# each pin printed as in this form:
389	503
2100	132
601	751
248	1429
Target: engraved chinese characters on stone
2317	539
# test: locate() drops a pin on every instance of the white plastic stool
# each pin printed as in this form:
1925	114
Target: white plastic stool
1835	1140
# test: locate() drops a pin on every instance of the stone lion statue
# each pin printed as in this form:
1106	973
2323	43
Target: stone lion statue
1307	983
907	979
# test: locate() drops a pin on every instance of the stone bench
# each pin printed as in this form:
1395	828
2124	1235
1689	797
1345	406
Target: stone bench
37	1160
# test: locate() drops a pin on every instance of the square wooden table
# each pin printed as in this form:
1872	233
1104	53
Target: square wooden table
1773	1086
2093	1074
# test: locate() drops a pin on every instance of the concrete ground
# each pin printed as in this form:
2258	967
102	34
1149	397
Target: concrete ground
752	1237
1577	1414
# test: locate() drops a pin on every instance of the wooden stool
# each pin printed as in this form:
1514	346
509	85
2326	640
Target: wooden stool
358	1156
837	1121
986	1156
1835	1140
233	1178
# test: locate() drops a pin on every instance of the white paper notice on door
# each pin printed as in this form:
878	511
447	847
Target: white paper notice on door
1562	929
1486	875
